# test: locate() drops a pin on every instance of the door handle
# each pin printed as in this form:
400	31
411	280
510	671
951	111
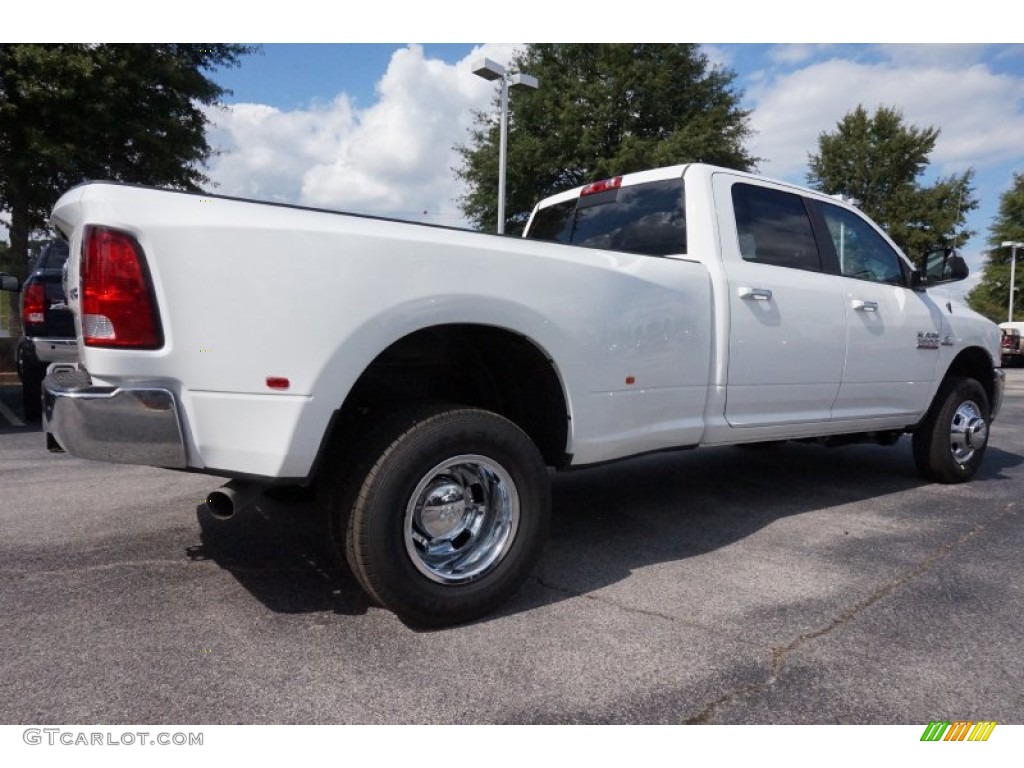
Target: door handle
756	294
864	306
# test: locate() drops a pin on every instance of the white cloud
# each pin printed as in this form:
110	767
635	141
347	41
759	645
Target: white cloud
977	111
394	157
793	53
941	55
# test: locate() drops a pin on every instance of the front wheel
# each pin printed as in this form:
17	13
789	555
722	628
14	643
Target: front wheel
950	443
450	517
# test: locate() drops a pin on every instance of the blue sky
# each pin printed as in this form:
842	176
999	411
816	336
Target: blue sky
370	127
293	75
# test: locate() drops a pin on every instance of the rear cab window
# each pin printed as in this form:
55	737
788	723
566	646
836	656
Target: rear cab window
647	218
54	255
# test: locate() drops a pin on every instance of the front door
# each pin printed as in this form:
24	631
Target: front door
893	332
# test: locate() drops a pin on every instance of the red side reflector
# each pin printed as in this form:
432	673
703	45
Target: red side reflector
601	186
118	309
278	382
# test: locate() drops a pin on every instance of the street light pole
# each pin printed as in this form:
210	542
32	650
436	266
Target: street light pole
1013	246
502	155
490	70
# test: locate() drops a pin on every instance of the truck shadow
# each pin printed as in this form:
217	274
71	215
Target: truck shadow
280	552
612	520
608	521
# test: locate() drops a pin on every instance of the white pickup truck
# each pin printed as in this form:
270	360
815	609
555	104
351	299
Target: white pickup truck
424	379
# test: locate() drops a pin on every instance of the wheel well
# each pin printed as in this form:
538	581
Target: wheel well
975	363
480	366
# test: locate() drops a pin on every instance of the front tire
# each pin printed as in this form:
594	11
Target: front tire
950	443
449	518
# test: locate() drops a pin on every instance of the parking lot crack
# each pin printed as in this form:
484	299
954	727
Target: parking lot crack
303	568
779	653
147	563
604	600
92	567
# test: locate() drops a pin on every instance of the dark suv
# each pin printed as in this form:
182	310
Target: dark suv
48	334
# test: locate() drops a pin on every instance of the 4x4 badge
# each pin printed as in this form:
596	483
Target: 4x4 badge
927	340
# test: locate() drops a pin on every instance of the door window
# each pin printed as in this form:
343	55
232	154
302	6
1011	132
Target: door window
774	228
863	253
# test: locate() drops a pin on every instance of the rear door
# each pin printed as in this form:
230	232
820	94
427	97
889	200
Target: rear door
787	334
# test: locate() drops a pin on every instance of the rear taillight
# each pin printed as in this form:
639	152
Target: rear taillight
33	304
118	309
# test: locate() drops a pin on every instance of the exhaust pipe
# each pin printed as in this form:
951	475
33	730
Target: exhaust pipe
232	497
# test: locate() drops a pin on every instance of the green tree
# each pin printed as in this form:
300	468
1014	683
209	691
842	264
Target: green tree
72	112
601	110
991	296
878	160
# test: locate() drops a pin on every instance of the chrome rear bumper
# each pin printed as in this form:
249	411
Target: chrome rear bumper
55	350
126	425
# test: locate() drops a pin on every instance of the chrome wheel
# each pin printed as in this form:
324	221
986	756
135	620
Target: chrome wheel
461	519
968	432
950	443
444	511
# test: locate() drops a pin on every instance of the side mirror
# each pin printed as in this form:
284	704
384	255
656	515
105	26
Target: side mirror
9	283
957	268
943	265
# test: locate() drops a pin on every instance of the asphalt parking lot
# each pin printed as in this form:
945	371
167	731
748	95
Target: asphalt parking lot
790	585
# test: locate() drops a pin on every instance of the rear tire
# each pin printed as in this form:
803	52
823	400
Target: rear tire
950	443
443	514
